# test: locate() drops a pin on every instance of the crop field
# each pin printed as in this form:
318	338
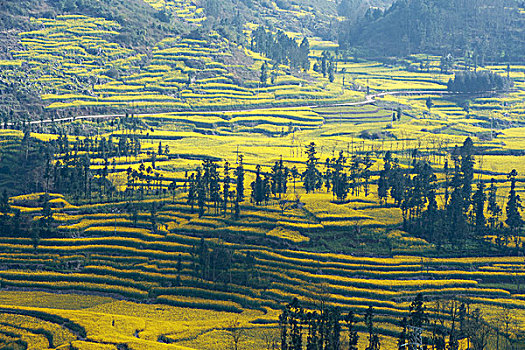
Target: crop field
114	246
74	63
107	251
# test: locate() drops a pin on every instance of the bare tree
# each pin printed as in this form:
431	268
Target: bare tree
236	332
505	319
270	338
478	330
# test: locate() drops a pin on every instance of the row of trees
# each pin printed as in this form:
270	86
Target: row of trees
339	177
204	187
449	211
98	147
327	66
450	322
461	215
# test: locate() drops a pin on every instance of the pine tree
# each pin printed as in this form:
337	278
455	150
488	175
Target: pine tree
258	187
429	103
353	336
494	208
373	339
214	187
294	173
192	191
4	202
311	176
283	328
398	184
46	220
514	220
382	187
305	52
264	74
153	217
402	338
478	200
331	75
418	316
239	174
467	170
200	191
226	187
340	178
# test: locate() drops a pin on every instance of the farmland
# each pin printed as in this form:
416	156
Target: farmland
179	197
106	249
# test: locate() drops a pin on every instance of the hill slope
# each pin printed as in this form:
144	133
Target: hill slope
487	29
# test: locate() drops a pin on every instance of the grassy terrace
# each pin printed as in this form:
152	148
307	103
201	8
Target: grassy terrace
113	280
74	63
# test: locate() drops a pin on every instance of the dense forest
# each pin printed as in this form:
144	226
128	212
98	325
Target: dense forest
479	30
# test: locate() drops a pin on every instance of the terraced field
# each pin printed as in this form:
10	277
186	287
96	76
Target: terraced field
116	257
276	253
127	271
74	63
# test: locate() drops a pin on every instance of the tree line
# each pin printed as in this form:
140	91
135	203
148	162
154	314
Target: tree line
460	215
448	322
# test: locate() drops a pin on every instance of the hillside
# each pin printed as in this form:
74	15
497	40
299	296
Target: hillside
221	174
481	29
101	58
141	25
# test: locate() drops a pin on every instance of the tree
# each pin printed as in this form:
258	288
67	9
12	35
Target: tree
46	220
279	178
4	202
373	338
295	174
429	103
418	316
399	113
514	206
200	191
304	49
226	187
311	176
402	338
353	336
258	187
478	200
343	72
467	170
239	174
192	191
331	71
339	178
153	217
172	187
382	187
492	205
264	73
478	330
